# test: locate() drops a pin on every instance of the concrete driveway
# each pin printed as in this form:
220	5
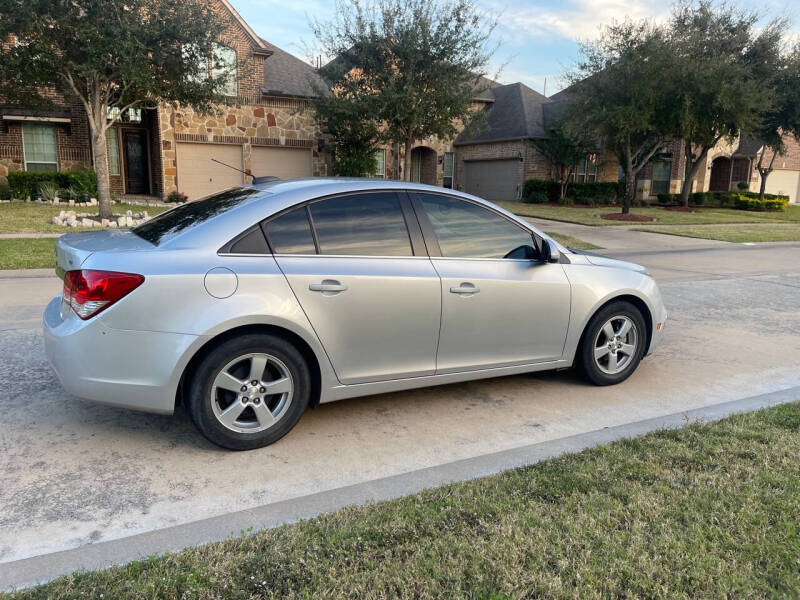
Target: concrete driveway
74	473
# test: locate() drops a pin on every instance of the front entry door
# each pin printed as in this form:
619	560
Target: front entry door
137	180
371	296
501	306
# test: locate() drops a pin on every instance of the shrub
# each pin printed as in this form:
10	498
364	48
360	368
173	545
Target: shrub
537	198
747	202
581	193
743	186
699	198
550	190
26	184
48	191
177	197
5	191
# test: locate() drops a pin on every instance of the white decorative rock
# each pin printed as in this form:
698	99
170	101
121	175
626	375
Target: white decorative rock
72	202
86	222
56	221
92	201
103	222
113	224
72	223
129	213
145	215
121	221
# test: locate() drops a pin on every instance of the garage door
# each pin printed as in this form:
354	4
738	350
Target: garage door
785	183
494	180
285	163
199	176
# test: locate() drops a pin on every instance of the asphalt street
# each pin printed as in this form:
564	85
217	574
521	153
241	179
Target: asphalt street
75	473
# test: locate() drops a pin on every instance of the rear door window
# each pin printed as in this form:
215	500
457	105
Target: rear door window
290	233
366	224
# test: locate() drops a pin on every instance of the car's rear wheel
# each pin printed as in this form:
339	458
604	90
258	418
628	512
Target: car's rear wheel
249	391
613	344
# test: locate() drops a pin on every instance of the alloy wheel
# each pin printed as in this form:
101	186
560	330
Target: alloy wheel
252	393
615	345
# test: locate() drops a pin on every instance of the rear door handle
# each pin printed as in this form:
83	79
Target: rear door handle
328	287
465	288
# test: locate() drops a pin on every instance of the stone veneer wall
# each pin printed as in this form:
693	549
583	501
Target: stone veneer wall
257	122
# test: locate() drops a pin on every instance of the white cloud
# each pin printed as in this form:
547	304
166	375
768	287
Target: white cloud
575	19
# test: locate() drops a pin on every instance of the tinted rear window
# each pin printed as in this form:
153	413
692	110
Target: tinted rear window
171	223
291	233
369	224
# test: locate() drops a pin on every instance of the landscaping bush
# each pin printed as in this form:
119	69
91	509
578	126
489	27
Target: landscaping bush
25	184
580	193
699	198
176	197
747	201
5	191
535	189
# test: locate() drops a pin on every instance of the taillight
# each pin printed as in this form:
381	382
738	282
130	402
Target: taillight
89	292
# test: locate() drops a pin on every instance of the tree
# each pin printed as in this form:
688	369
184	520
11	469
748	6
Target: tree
110	54
565	148
782	117
344	116
620	91
724	62
417	63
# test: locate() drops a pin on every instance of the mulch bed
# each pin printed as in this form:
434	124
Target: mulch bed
629	217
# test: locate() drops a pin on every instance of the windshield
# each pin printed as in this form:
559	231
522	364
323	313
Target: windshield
169	224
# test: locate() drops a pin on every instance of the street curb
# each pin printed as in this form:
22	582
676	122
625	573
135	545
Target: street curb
40	569
27	273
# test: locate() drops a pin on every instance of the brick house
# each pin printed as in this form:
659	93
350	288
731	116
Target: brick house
264	125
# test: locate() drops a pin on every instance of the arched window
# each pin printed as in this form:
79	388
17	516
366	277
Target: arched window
224	66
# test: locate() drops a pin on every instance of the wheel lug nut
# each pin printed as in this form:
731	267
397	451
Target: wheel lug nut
244	388
244	400
256	400
254	382
262	390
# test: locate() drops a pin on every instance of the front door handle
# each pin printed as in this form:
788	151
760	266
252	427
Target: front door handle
465	288
328	287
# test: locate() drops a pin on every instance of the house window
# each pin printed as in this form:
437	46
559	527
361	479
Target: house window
224	66
661	176
40	149
380	164
131	115
585	170
112	143
447	163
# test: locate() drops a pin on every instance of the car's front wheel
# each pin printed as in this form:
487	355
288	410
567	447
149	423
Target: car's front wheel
249	391
613	344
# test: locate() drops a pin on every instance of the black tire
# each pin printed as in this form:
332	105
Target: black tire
199	400
586	360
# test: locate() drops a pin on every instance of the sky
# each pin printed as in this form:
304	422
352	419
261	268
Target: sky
538	40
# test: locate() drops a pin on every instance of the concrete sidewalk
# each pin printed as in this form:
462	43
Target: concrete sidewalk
623	237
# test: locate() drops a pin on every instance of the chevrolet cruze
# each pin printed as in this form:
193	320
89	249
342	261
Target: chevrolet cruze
255	303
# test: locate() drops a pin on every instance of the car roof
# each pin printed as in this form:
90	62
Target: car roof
278	195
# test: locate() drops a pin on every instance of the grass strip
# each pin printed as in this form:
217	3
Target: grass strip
707	511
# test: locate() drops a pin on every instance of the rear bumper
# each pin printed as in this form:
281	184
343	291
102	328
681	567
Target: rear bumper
119	367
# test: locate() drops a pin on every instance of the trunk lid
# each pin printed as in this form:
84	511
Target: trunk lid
73	249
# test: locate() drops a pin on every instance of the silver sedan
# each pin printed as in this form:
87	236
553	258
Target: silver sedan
255	303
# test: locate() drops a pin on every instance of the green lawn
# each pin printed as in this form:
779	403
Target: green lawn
26	253
709	511
24	217
773	232
571	242
591	216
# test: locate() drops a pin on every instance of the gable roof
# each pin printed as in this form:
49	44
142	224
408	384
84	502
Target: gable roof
287	75
516	113
258	46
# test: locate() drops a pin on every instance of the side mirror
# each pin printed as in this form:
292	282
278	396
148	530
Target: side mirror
550	252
